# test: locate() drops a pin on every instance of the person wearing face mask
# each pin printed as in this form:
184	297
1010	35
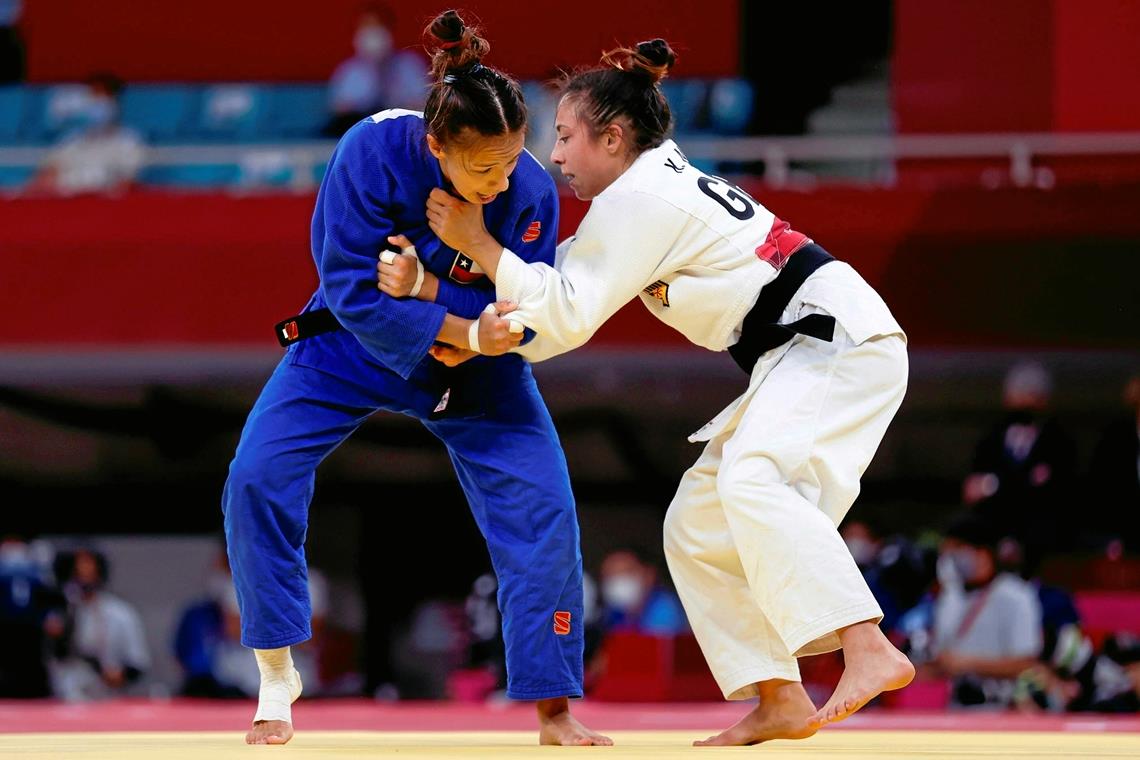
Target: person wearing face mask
106	652
100	155
634	600
376	76
1023	467
987	624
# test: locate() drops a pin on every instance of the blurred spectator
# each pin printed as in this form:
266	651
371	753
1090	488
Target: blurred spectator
1115	478
1074	677
896	570
105	650
1058	608
376	77
101	156
1022	468
29	608
208	640
634	599
987	625
11	42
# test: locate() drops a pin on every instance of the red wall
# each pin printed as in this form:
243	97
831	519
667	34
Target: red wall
1016	65
958	267
1096	66
224	40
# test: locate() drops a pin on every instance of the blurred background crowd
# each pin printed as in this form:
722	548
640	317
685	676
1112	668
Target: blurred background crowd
978	162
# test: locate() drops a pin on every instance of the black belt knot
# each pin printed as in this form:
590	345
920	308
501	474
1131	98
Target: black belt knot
761	331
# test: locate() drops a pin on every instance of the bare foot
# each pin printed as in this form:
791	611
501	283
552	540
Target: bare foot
269	732
274	731
872	665
783	713
558	727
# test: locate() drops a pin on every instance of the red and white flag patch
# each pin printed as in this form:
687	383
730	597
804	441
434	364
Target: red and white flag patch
464	270
781	243
561	623
532	232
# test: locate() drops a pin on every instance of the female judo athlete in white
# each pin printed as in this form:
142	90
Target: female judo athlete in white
751	535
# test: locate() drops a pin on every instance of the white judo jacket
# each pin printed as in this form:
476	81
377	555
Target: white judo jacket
695	249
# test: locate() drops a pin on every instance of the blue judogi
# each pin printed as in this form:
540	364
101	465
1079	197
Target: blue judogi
487	411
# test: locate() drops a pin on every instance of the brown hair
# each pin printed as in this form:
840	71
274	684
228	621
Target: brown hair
465	94
625	84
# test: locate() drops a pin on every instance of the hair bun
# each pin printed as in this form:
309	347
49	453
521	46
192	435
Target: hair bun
657	52
448	27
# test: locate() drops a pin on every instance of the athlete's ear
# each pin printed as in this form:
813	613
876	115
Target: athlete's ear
612	138
435	146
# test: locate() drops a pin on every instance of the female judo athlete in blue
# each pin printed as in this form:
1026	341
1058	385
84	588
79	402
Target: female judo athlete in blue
356	350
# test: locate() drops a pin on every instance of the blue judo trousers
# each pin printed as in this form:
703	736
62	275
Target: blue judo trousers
487	411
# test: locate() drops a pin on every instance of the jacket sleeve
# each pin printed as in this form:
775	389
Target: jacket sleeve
619	246
534	233
350	228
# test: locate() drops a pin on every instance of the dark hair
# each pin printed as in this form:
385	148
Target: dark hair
465	94
625	84
974	530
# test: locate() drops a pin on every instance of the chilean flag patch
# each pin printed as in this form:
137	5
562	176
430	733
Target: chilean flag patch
464	270
532	232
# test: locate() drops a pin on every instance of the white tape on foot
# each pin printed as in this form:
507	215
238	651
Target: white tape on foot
275	698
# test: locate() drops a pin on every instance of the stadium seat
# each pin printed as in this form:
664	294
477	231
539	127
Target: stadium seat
687	102
161	113
730	106
231	112
12	103
295	112
15	176
200	176
54	111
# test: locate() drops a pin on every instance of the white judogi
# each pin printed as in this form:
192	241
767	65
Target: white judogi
751	535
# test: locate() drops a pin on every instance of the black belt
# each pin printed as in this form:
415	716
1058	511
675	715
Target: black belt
315	322
312	323
761	331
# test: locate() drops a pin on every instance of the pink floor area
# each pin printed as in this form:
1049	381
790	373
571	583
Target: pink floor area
364	715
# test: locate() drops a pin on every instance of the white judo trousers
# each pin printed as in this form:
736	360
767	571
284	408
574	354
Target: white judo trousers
751	537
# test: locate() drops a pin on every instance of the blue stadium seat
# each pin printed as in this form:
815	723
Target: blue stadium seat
54	111
12	103
686	101
230	112
15	176
161	113
200	176
730	106
295	112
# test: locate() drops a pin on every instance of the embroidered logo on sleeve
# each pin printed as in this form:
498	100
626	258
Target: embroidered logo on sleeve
532	232
659	290
464	270
561	623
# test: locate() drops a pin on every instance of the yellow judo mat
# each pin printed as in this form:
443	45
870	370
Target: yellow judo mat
658	745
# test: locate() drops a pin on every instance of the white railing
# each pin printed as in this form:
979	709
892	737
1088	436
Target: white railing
778	154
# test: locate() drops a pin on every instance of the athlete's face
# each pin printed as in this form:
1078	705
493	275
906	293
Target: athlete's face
588	161
478	167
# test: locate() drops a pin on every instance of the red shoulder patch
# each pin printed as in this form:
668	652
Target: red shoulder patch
532	232
561	623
